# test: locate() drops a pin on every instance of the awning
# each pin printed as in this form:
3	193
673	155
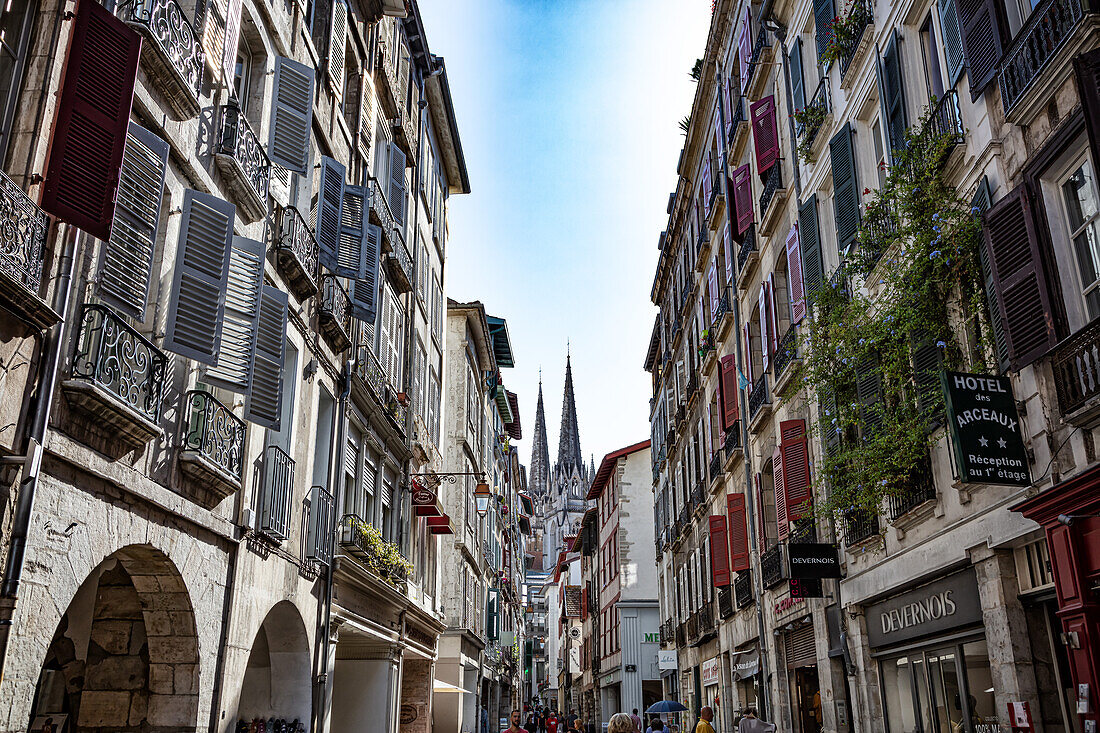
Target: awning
528	504
445	687
746	664
440	525
524	525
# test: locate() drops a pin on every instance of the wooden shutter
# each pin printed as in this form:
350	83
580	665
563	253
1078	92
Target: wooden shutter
93	114
981	40
845	189
364	291
824	13
742	198
719	551
706	188
1087	68
927	365
765	330
232	39
397	185
796	468
796	292
748	354
198	284
894	94
952	40
337	45
773	312
744	49
126	260
738	532
213	38
727	246
330	199
799	647
237	353
782	521
712	279
869	394
813	268
727	391
264	403
351	260
291	115
1020	277
765	134
718	135
798	82
982	200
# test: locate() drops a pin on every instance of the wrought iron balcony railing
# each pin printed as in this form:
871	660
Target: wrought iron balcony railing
334	313
399	263
23	252
276	492
365	543
723	307
685	518
876	232
319	539
214	433
705	622
692	629
742	589
115	358
732	442
242	160
725	601
736	116
804	531
698	495
1047	29
818	106
859	526
907	498
946	119
296	252
762	44
861	14
371	373
172	51
772	183
759	396
1076	366
716	463
771	566
748	247
681	635
380	212
786	351
693	383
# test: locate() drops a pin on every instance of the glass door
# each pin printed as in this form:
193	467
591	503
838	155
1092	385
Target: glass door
939	690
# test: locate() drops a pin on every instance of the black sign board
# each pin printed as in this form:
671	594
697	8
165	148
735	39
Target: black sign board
806	588
985	429
813	560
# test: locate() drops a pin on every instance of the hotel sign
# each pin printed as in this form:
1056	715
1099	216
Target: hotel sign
985	429
933	608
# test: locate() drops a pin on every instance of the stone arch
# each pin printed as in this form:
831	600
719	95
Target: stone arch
277	679
125	654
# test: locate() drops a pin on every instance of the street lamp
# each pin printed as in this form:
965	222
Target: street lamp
482	494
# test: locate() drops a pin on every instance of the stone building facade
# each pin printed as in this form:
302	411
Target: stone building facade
799	115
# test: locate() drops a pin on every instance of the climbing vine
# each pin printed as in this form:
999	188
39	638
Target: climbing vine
872	354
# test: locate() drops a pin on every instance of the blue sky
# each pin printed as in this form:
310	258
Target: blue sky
568	112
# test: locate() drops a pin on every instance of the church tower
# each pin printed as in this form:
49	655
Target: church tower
539	473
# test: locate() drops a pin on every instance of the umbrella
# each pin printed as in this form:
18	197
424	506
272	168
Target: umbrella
666	706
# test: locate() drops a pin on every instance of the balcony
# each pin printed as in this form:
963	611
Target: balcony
772	198
693	385
681	413
171	52
716	463
399	264
213	446
719	320
862	14
684	519
704	624
365	543
747	256
946	122
692	625
118	376
380	212
859	526
296	253
1049	28
915	494
322	507
732	443
786	357
241	159
334	313
725	602
758	64
1076	366
876	233
22	254
371	378
812	120
404	131
716	207
702	242
738	127
742	590
760	402
385	69
771	566
681	636
698	497
276	494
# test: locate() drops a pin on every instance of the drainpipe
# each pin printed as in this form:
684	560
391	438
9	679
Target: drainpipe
750	495
52	344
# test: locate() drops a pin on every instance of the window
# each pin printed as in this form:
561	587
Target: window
1079	197
933	78
880	153
242	74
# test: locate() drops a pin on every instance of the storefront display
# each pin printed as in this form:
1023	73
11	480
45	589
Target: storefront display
746	676
800	655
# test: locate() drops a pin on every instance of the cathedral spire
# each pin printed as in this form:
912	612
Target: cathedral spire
569	441
539	475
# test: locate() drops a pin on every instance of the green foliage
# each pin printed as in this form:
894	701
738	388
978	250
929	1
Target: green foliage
809	119
844	33
383	558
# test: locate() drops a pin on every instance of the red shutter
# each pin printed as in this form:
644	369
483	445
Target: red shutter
765	330
1022	283
796	468
738	532
742	198
794	276
744	49
778	488
765	133
774	313
719	551
761	523
93	115
1087	66
728	246
727	391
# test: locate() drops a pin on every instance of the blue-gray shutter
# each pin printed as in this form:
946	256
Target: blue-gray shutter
291	115
396	192
264	403
893	102
364	291
798	83
330	196
952	40
337	40
198	284
845	189
126	259
351	260
824	12
869	394
242	312
813	268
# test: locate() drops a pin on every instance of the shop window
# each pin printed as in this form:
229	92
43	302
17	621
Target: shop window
1033	566
940	689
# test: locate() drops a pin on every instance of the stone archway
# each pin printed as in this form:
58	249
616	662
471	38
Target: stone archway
125	655
277	680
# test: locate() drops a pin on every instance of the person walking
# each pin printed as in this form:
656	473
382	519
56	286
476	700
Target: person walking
636	721
620	723
513	725
752	724
706	716
656	726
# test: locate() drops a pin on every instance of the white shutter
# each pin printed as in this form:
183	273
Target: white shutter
351	455
351	255
330	196
291	115
365	124
337	39
242	311
396	193
264	403
126	260
198	285
364	291
279	186
213	38
232	38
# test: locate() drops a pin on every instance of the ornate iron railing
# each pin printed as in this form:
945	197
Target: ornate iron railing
705	621
361	541
771	566
698	495
725	601
1049	27
380	208
681	635
401	256
720	311
736	116
276	491
172	37
772	183
762	43
876	232
862	15
786	351
692	630
296	241
24	227
907	498
716	463
370	371
685	518
112	355
1076	366
334	312
319	539
748	246
214	432
819	101
759	396
946	119
733	439
804	531
237	139
742	589
859	526
693	383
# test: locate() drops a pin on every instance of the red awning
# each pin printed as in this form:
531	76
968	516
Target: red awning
440	525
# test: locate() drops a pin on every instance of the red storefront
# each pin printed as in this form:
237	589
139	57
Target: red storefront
1070	514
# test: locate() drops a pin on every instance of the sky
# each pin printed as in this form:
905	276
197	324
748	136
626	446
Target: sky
568	111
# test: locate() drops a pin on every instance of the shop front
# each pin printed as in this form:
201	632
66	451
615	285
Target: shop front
745	663
803	688
710	677
930	648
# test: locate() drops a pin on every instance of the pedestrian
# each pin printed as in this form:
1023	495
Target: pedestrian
530	721
636	721
514	726
571	718
552	722
655	726
620	723
751	724
706	715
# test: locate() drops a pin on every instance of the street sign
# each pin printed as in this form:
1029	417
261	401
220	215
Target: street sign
985	429
813	560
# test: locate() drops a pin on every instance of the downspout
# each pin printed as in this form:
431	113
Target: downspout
223	640
750	495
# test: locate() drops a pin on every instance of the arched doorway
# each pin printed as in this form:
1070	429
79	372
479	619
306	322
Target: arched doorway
124	656
277	679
